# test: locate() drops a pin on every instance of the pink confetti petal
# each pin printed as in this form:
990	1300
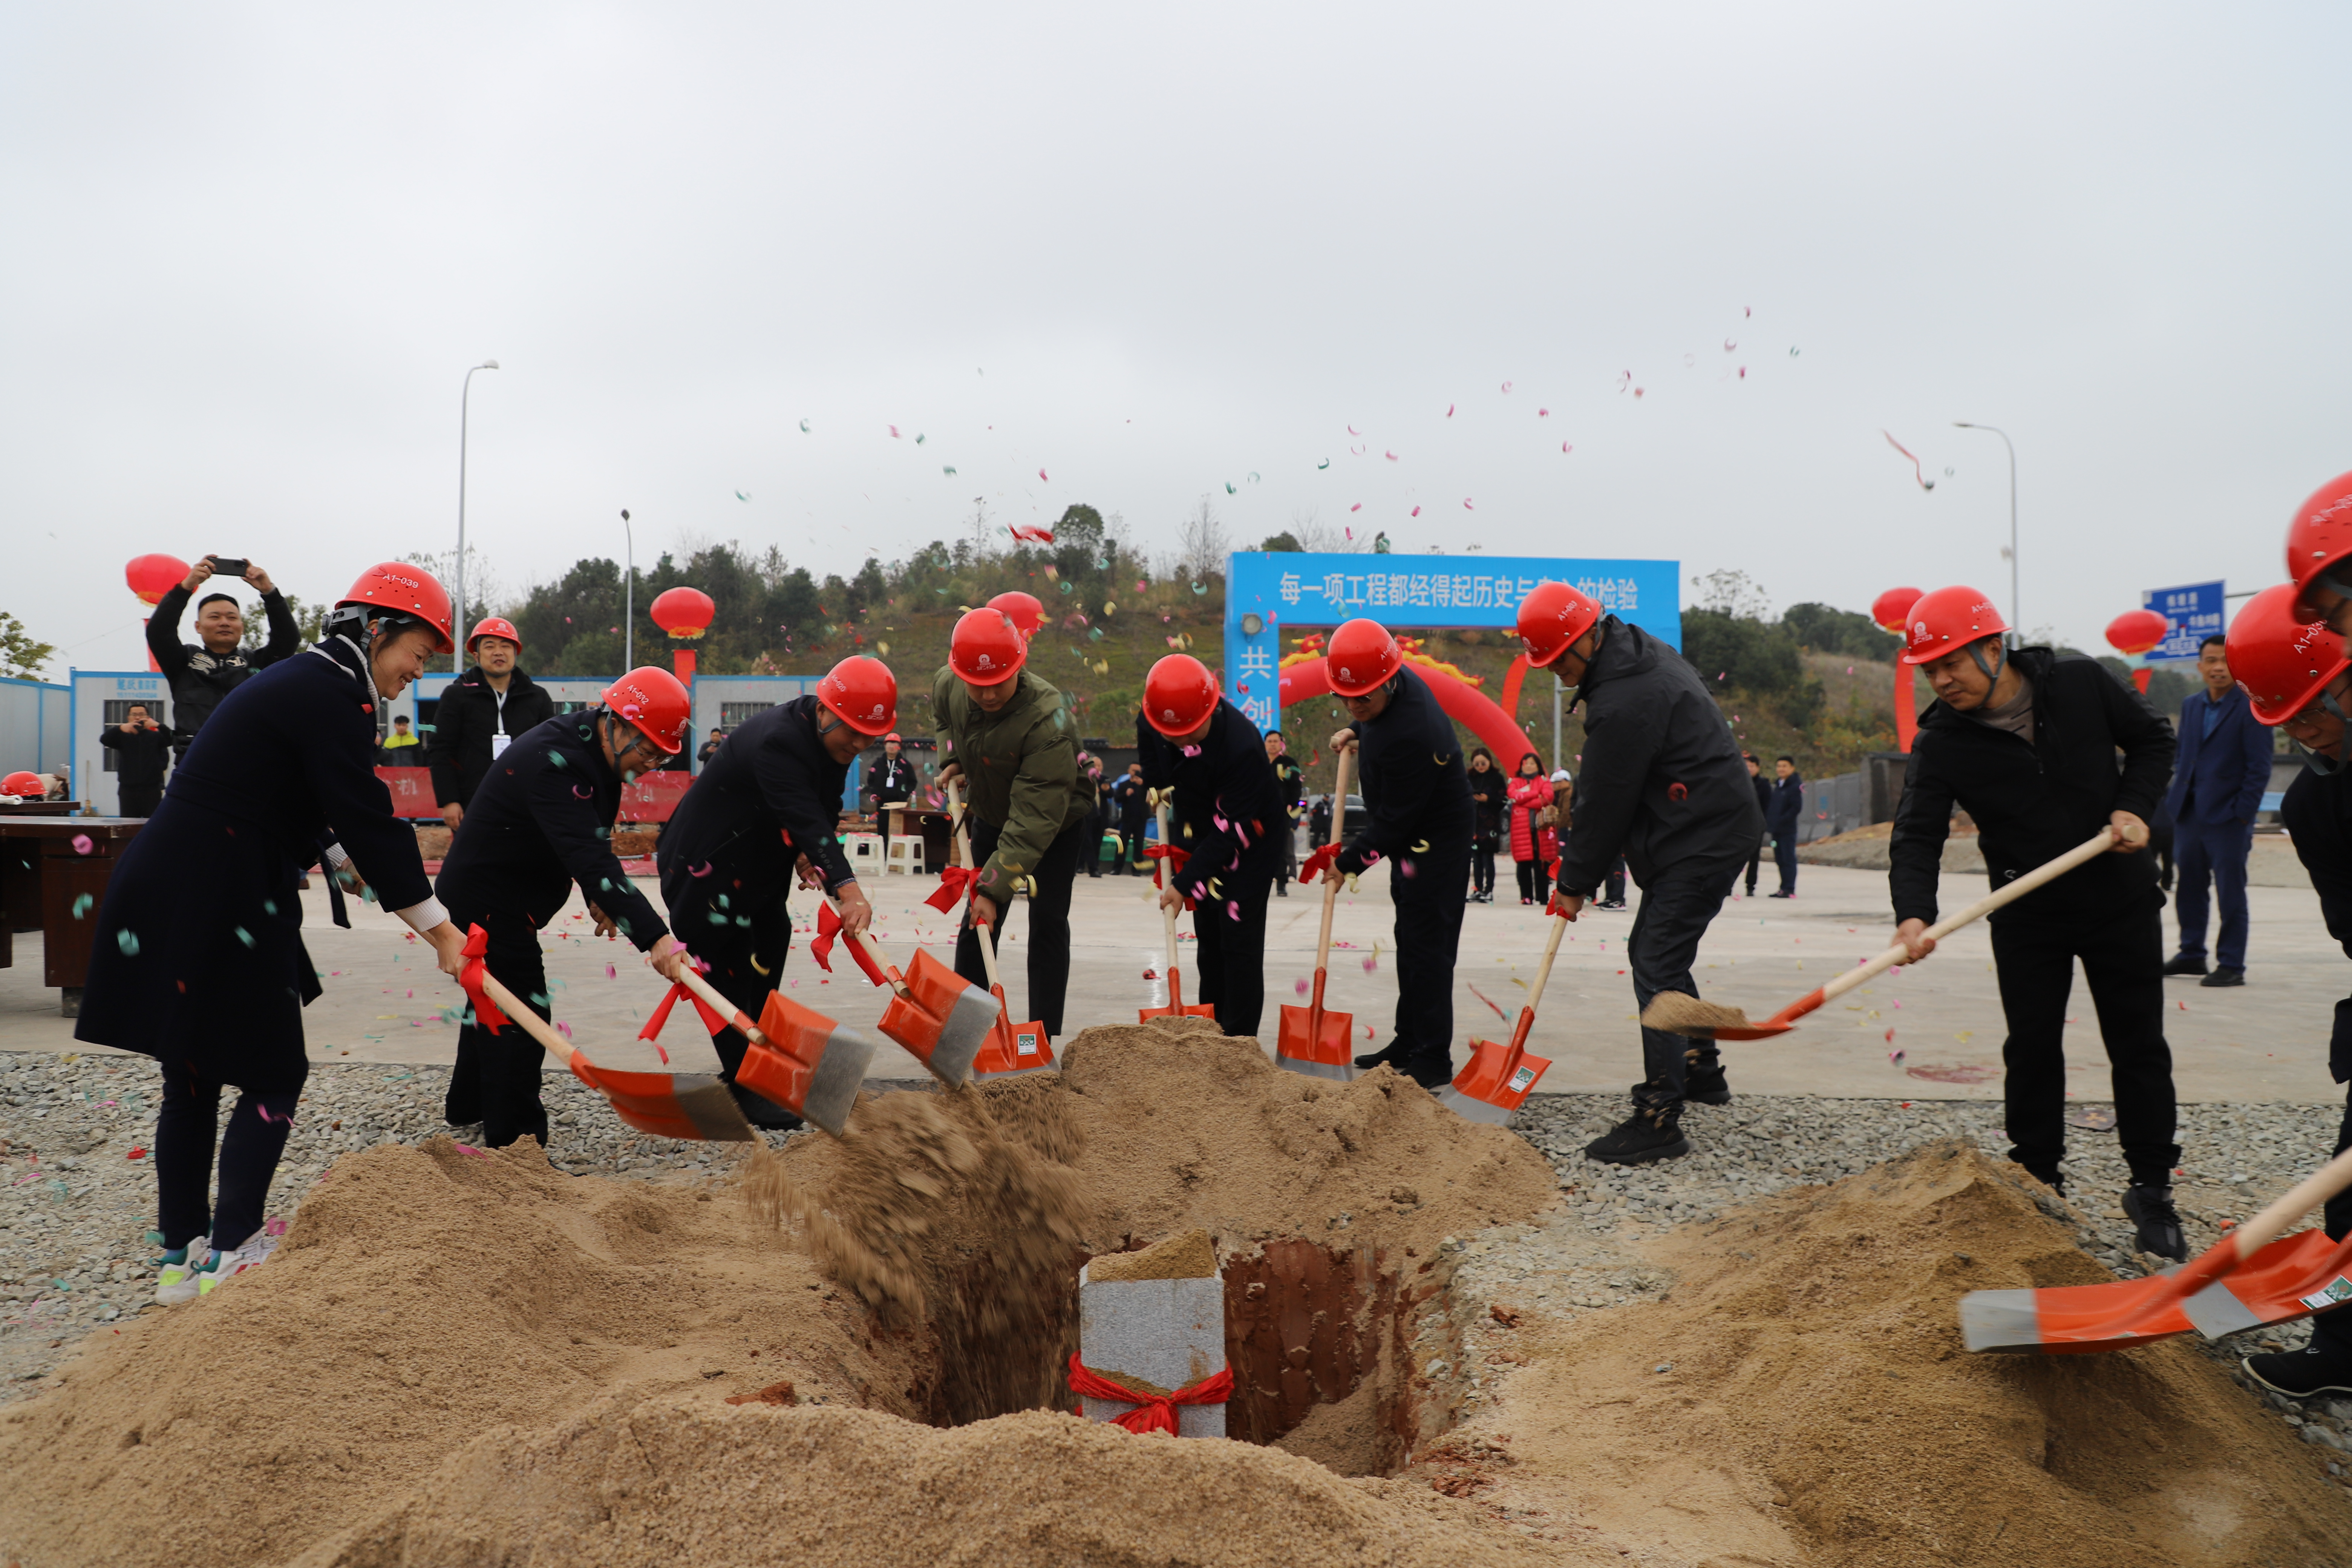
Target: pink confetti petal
1467	506
1416	511
1041	474
1298	986
81	843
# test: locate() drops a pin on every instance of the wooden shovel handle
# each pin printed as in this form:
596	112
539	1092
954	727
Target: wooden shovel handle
964	838
531	1023
1330	873
2089	849
1168	876
2299	1200
726	1010
1543	970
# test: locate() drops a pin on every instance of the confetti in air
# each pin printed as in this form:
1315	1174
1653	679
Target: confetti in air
1924	482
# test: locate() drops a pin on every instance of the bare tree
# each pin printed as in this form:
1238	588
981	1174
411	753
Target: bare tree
1315	537
1733	593
1200	544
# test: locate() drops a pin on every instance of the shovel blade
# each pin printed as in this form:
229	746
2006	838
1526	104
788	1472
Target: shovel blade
809	1065
1494	1083
944	1024
2295	1277
1300	1048
1763	1031
2071	1320
1014	1048
1190	1010
686	1105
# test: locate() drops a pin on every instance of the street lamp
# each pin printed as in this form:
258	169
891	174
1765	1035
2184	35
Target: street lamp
464	396
629	598
2016	617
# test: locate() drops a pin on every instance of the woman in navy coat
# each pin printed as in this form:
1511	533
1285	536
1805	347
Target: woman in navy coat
199	959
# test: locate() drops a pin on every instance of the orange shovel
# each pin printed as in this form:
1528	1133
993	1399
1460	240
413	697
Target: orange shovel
2077	1319
1677	1014
1310	1040
940	1018
1497	1080
798	1059
1008	1047
1175	1008
688	1105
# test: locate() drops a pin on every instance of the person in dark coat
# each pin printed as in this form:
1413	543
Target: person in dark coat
203	672
1764	809
2299	679
1090	776
1486	824
1291	780
540	822
198	958
2218	783
894	784
1228	817
768	806
1319	823
141	751
1133	798
1663	786
1417	793
1783	817
480	714
2025	742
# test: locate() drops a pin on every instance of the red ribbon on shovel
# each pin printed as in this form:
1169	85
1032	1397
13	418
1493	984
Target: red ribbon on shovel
955	882
710	1018
1151	1414
828	927
486	1012
1317	863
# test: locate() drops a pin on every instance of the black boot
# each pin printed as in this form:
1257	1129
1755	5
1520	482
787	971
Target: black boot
1386	1055
1649	1134
2324	1366
2151	1212
1707	1085
2183	964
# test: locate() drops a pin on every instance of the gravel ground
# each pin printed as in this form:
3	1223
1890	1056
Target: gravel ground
76	1208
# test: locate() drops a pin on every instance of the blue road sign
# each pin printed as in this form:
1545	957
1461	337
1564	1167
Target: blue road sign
2196	612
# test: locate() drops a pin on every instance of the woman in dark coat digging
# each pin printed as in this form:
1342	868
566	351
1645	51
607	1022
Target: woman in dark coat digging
199	959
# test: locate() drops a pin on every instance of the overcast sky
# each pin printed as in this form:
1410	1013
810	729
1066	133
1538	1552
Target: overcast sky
1152	252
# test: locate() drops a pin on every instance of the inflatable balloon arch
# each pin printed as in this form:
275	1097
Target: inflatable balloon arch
1304	677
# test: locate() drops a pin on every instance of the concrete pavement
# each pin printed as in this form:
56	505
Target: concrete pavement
384	1002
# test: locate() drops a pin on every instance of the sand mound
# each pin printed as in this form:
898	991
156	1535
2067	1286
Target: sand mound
681	1483
1820	1409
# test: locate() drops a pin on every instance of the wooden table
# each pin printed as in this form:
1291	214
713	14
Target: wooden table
909	820
42	873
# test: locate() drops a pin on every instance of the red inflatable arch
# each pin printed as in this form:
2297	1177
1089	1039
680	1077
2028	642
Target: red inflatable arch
1463	703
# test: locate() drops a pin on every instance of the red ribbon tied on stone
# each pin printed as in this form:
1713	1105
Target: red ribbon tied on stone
486	1012
955	884
828	927
1318	863
1149	1415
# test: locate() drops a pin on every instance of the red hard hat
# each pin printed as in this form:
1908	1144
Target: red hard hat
1361	657
1948	619
987	649
398	588
1552	617
2319	537
1178	695
493	627
1028	612
653	699
23	783
863	691
2283	658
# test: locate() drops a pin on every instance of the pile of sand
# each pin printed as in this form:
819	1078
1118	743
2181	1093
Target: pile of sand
1818	1407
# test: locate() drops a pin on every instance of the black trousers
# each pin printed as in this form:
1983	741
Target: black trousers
1755	859
1676	911
2333	1330
1613	887
1784	856
2213	855
1131	845
1090	852
495	1081
2123	959
1231	933
139	800
1049	924
745	943
250	1146
1482	870
1428	933
1535	880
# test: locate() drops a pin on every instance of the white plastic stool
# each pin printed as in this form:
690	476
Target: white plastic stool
865	852
906	856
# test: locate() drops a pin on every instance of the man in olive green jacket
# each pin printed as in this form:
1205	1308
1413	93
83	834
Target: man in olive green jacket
1003	730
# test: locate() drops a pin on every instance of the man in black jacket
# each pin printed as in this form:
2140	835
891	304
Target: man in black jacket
2025	742
541	822
894	784
1782	815
1290	783
1228	819
1663	786
480	713
203	672
1763	808
2298	678
1417	793
769	802
139	750
1132	799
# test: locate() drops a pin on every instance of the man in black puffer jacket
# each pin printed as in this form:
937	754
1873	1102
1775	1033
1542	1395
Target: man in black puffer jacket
1664	785
480	715
2025	742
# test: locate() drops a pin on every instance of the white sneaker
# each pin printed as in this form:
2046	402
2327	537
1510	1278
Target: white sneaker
176	1282
251	1253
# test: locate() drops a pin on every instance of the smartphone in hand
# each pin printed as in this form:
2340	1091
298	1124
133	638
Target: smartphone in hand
229	565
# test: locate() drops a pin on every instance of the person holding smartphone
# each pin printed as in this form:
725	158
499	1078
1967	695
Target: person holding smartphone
216	664
140	748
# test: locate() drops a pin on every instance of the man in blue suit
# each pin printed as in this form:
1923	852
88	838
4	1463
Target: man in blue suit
2217	786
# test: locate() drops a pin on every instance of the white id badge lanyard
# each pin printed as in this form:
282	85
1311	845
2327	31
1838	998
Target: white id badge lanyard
502	741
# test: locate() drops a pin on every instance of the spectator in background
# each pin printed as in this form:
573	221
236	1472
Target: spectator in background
1290	783
1319	823
2217	787
140	748
1486	824
216	664
1763	805
1530	794
1781	814
894	784
481	711
1090	779
709	748
1134	799
400	748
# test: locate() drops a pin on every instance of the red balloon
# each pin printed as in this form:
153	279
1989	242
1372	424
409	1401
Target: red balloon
683	611
2137	631
152	576
1892	610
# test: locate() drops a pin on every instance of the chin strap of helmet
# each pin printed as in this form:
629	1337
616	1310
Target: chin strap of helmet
1992	671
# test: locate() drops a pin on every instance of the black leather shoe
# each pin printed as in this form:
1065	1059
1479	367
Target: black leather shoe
2316	1369
1641	1138
2225	977
2151	1212
1706	1086
1385	1056
2182	964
